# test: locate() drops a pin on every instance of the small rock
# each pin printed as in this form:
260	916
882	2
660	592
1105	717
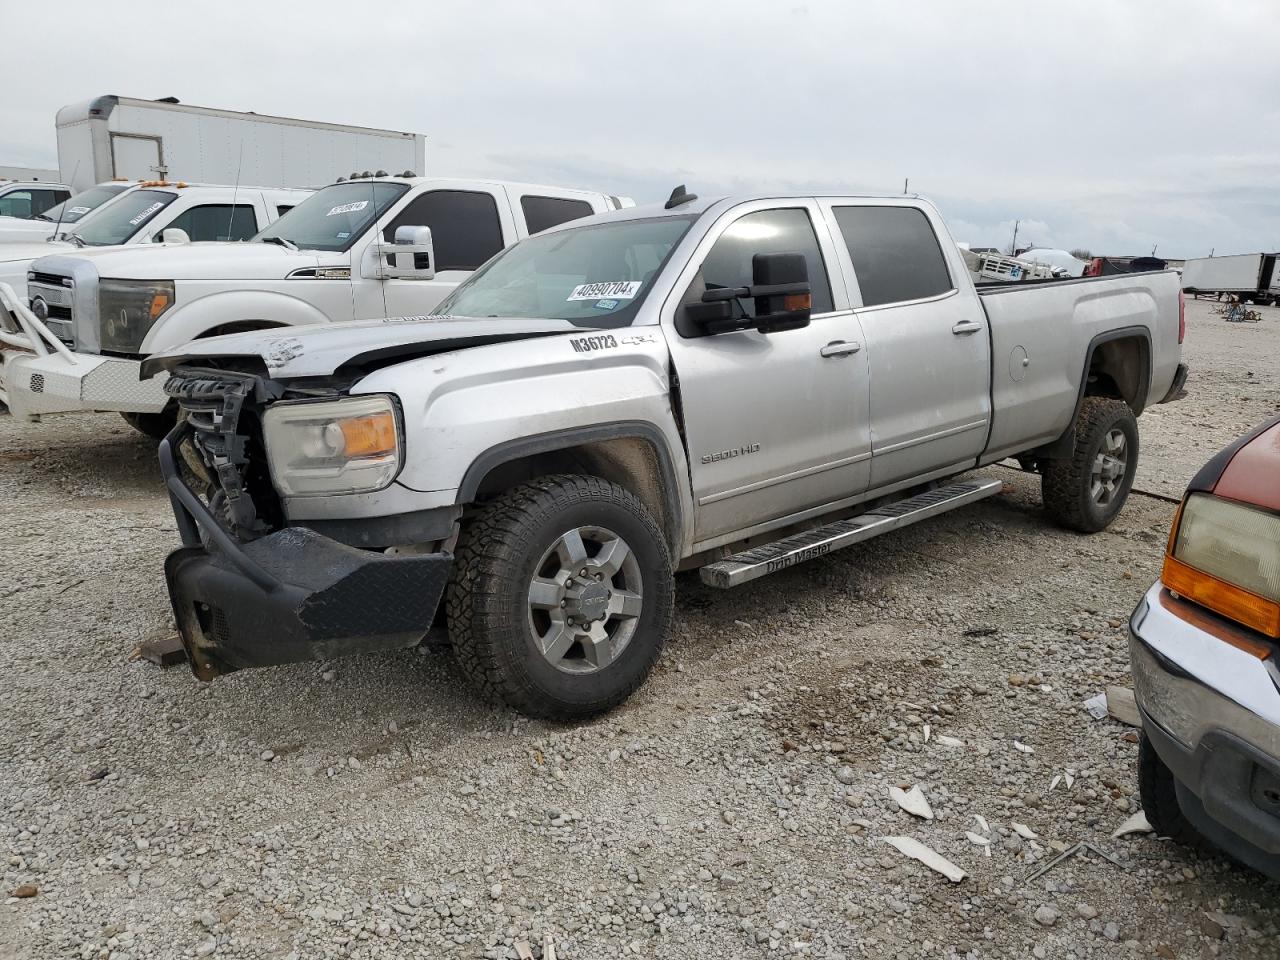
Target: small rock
846	775
1046	916
25	891
1208	926
1112	932
267	755
495	891
1086	911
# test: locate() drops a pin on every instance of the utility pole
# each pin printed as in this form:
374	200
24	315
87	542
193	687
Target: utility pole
1013	247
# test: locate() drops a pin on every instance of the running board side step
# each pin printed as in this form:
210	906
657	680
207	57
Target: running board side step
797	548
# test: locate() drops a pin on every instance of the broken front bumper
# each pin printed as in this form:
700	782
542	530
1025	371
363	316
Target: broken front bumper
1211	709
290	596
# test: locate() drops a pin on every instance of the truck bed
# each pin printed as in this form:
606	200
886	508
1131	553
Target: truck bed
1041	330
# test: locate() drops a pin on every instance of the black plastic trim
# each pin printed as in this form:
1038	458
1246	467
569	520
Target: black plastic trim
518	449
419	526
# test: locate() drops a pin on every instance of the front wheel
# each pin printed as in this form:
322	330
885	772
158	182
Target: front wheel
154	425
1086	492
561	597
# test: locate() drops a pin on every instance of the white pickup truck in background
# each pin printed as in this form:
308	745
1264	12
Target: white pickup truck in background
143	214
61	217
358	249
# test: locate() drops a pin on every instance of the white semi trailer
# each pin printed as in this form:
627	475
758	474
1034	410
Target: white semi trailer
1250	276
112	137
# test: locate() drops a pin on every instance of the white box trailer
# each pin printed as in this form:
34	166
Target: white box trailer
1251	276
112	137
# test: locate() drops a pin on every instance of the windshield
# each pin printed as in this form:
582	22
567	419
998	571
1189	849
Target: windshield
594	275
69	211
120	221
335	217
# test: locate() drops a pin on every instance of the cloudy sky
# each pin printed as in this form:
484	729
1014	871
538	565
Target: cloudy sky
1102	124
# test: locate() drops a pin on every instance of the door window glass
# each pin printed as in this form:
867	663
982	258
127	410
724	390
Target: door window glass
542	213
216	221
766	231
895	253
465	230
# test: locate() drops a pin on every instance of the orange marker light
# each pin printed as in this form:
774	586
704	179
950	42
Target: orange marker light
1221	597
369	436
797	301
159	304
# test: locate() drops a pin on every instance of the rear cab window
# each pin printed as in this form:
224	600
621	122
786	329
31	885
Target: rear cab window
542	213
895	252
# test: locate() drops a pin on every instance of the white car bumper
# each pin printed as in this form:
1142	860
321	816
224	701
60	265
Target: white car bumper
55	383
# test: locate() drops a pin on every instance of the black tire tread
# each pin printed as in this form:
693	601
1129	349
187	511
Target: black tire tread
1062	480
154	425
1160	798
490	542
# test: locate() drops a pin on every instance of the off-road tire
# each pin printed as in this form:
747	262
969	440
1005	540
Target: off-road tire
1065	484
154	425
487	597
1160	798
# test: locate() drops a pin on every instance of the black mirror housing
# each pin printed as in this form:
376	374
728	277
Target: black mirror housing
780	286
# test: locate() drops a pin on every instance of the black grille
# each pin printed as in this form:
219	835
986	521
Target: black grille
49	279
222	410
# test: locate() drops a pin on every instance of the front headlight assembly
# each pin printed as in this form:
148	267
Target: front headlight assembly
1226	556
128	309
332	446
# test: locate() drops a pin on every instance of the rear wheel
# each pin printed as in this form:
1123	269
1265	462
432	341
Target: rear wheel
1086	491
561	597
154	425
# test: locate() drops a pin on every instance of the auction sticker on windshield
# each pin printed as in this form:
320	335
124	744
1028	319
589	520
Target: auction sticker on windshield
78	210
145	213
348	207
617	289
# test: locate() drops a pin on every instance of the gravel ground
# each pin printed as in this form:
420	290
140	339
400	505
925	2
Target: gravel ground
371	807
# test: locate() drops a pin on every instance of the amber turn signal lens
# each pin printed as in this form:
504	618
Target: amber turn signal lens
797	301
159	304
1221	597
369	436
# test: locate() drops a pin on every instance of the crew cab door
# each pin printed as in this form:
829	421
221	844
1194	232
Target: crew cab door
231	217
776	424
926	335
468	226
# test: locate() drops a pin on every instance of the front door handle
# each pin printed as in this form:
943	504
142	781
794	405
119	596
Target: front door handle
840	348
965	327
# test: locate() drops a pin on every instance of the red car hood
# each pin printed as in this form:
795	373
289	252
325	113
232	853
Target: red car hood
1252	475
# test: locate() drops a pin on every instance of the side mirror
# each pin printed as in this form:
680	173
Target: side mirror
411	257
780	289
173	235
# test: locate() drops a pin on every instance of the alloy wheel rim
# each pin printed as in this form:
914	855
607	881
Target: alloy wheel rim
585	600
1110	465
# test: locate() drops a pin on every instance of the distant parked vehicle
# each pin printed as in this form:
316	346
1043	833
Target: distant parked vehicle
61	217
23	200
359	249
1114	266
109	137
1252	277
1204	646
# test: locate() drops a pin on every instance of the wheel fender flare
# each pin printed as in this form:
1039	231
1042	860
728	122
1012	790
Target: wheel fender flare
1065	444
521	447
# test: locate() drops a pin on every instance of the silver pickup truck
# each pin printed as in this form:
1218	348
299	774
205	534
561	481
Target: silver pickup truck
734	385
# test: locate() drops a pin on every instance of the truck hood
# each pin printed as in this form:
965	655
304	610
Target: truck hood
34	249
196	261
322	350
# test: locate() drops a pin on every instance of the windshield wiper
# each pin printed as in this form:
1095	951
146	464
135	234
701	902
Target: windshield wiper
41	216
78	240
287	244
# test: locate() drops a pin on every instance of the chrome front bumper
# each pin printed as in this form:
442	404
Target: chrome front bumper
1211	710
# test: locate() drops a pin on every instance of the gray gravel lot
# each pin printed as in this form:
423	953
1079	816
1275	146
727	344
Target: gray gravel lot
371	807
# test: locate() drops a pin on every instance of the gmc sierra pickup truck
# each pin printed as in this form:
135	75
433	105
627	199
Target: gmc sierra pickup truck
735	385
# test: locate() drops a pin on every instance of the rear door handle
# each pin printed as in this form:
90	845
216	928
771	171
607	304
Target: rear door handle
966	327
840	348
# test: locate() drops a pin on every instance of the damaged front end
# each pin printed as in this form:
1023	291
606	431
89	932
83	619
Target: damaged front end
249	590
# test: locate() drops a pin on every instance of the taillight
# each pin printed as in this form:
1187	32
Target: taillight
1182	316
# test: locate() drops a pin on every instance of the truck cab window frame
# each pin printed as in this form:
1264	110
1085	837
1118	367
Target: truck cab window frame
542	213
